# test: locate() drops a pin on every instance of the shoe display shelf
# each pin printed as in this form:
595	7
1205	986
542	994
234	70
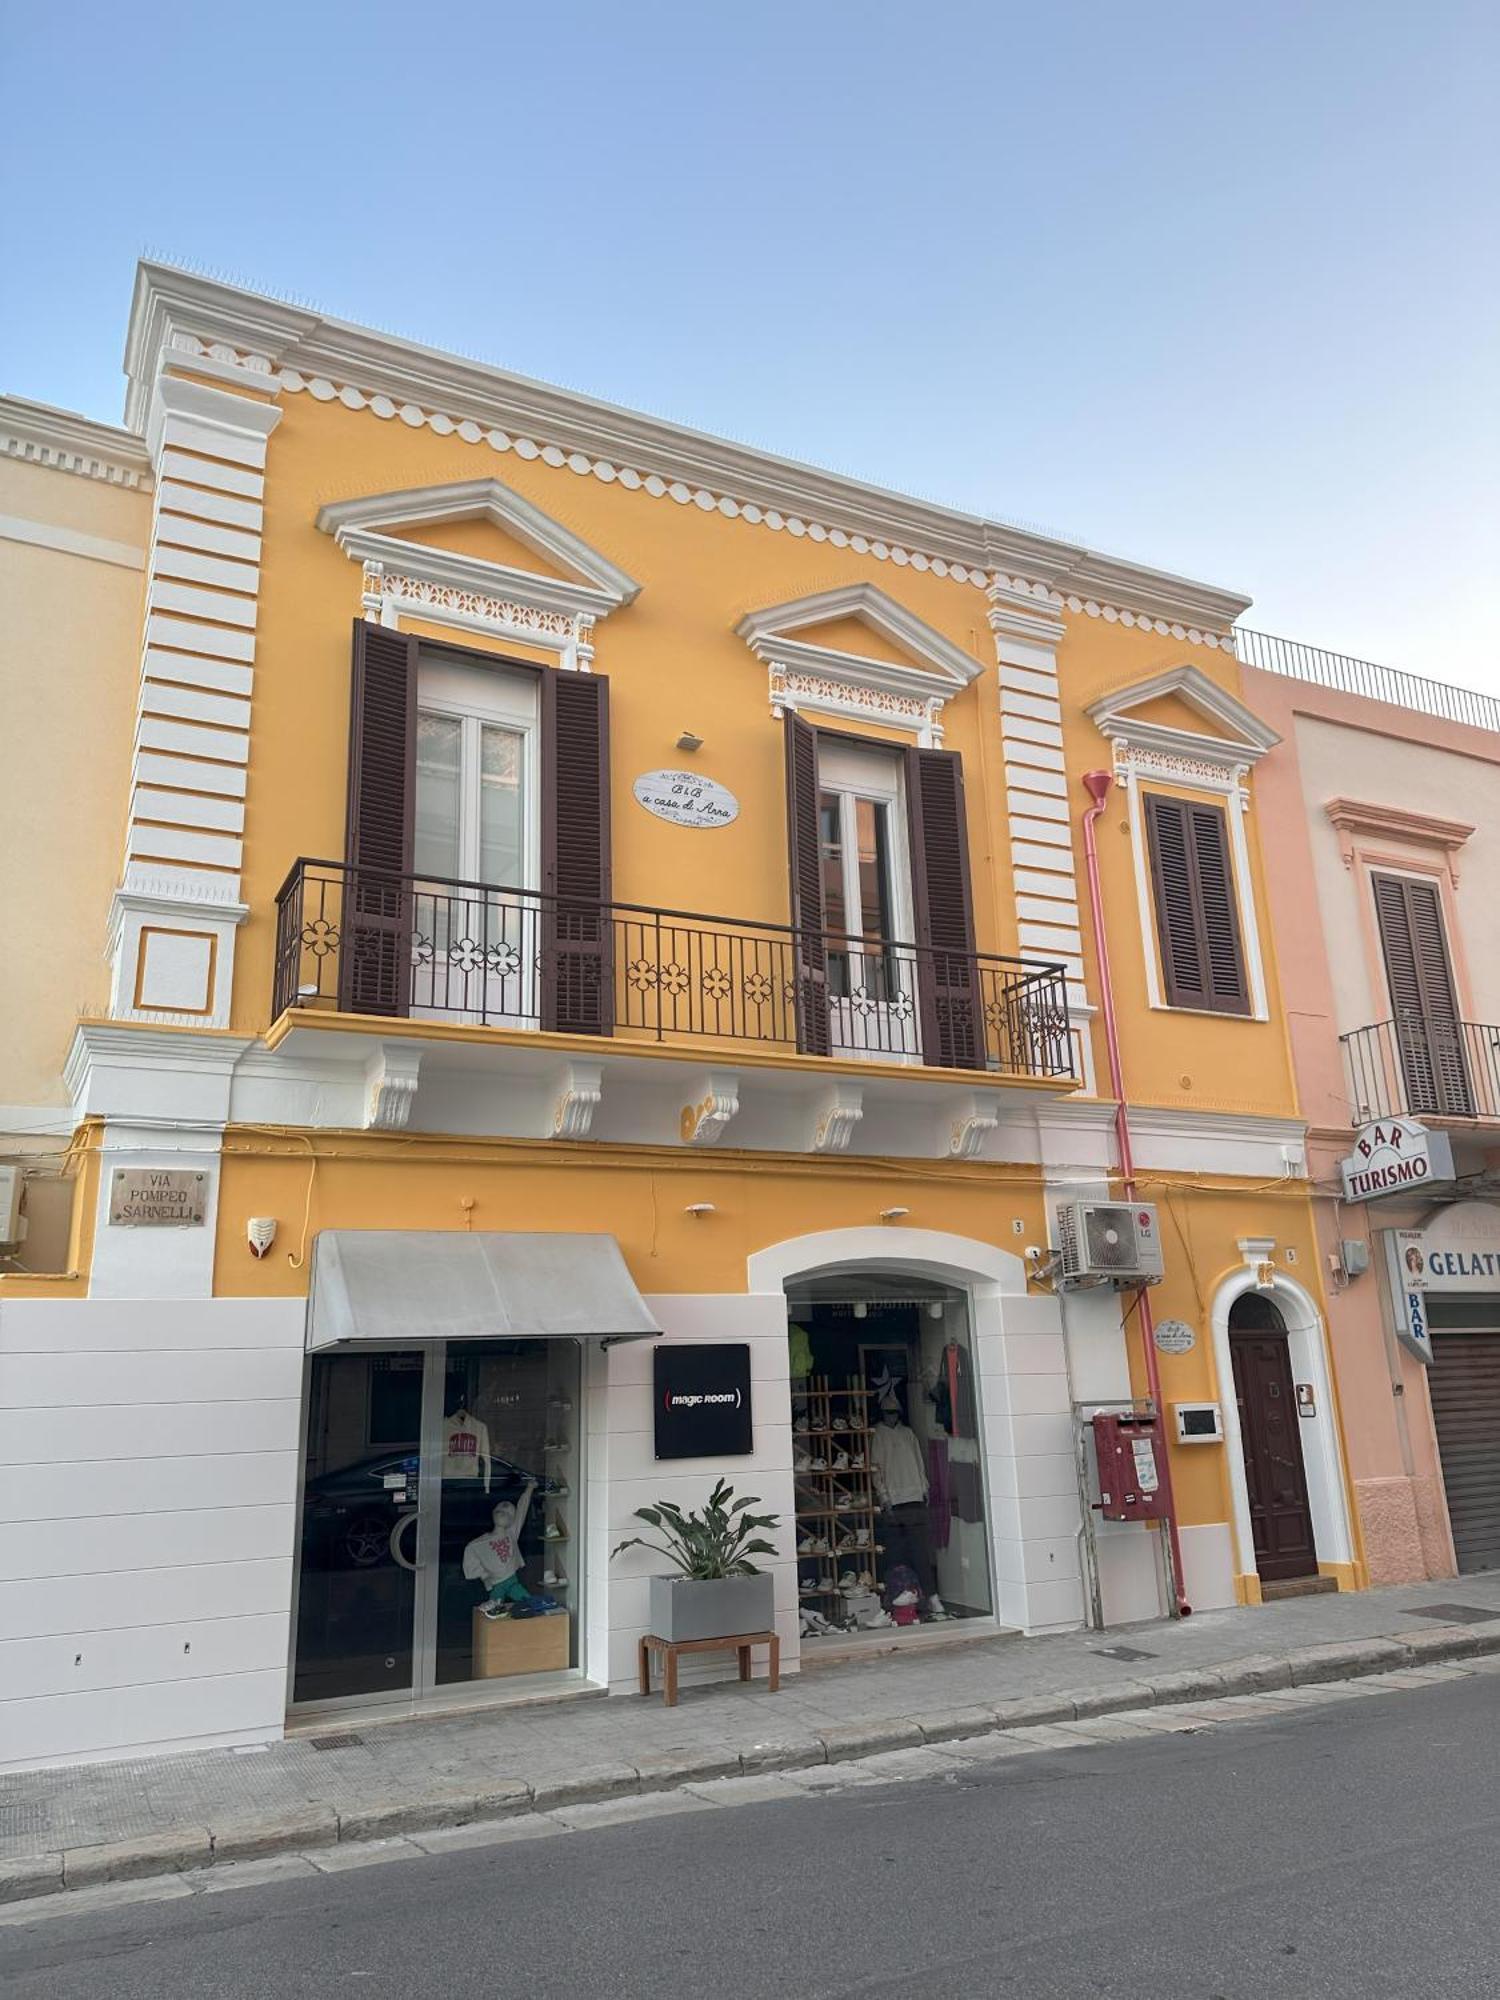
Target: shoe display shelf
833	1501
560	1453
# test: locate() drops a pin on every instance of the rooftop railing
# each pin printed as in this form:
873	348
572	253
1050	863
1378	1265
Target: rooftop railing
1316	664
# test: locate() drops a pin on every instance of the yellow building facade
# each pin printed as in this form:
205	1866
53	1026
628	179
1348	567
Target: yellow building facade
601	931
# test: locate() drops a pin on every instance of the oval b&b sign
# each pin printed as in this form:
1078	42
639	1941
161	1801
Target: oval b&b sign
685	798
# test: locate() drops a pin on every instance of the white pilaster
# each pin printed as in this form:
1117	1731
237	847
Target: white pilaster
173	925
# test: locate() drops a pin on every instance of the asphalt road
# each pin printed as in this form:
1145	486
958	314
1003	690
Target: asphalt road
1349	1850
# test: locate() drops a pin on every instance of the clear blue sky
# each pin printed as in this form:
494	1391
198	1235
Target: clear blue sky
1213	285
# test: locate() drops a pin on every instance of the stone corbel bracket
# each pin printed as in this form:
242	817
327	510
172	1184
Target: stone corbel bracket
715	1101
580	1086
391	1087
971	1124
839	1112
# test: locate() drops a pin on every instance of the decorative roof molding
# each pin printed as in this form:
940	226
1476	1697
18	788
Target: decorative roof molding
854	686
770	632
1354	816
1245	742
301	349
41	435
365	529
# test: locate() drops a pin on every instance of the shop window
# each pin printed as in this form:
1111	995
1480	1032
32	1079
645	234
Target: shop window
891	1512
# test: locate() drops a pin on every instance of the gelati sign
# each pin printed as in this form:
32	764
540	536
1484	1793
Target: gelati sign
702	1398
685	798
1395	1156
1459	1251
157	1198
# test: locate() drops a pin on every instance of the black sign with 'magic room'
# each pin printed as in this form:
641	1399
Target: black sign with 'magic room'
702	1400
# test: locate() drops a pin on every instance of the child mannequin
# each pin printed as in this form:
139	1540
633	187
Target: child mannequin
494	1558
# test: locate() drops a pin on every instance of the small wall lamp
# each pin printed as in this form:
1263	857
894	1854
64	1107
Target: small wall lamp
700	1209
893	1214
688	741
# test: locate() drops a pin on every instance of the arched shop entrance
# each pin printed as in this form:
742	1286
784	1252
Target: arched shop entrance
887	1455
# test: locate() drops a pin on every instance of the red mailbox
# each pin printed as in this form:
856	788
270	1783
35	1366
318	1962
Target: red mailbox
1128	1448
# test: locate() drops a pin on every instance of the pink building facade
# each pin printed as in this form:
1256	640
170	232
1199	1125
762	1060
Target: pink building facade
1381	829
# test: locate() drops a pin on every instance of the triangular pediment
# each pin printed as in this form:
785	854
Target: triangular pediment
858	630
486	541
481	536
1185	712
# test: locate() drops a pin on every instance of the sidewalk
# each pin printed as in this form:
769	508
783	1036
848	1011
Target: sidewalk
108	1822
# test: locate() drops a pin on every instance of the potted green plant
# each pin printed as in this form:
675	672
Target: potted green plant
718	1590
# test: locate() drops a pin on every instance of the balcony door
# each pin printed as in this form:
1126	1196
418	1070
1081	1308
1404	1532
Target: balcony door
476	847
1424	1001
867	906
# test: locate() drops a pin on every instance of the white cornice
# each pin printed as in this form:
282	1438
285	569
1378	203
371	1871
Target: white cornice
67	442
314	347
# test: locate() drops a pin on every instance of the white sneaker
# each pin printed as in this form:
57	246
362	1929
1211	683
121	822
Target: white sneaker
848	1581
840	1462
553	1532
553	1579
936	1607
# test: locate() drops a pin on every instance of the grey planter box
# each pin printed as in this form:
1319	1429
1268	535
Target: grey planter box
684	1607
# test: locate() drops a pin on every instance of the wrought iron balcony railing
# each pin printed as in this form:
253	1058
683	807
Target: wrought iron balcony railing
410	947
1413	1067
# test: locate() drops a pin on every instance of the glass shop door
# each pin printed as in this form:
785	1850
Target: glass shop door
439	1520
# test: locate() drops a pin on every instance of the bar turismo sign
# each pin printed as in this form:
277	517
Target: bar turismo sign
1393	1155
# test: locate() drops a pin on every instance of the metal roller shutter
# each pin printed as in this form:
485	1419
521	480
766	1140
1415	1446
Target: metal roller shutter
1464	1382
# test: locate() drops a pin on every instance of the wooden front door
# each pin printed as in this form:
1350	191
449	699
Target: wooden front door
1280	1518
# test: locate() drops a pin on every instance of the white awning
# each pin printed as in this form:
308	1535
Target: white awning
396	1286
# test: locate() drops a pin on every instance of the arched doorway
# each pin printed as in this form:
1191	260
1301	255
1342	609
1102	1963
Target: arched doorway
887	1455
1281	1518
1022	1410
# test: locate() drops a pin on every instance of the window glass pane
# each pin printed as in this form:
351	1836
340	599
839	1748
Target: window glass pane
439	740
835	910
500	822
872	827
873	870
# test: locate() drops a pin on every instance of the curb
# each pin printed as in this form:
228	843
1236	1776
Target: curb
186	1849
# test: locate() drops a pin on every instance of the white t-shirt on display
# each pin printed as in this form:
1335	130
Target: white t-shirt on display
466	1448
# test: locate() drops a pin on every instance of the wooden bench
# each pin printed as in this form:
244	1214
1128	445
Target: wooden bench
738	1642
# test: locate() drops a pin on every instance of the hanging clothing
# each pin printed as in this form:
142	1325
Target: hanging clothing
799	1352
953	1394
897	1466
939	1494
466	1448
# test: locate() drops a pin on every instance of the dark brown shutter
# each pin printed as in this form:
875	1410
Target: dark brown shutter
1202	957
375	951
576	961
947	970
804	852
1424	1004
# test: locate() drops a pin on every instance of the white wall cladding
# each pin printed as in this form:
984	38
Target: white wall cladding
623	1472
148	1473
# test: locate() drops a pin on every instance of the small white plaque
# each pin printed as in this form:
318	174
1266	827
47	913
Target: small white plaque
685	798
1175	1336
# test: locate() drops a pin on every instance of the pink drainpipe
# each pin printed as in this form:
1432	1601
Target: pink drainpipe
1097	784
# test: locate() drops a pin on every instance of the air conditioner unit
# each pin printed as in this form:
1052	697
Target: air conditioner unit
12	1222
1108	1243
